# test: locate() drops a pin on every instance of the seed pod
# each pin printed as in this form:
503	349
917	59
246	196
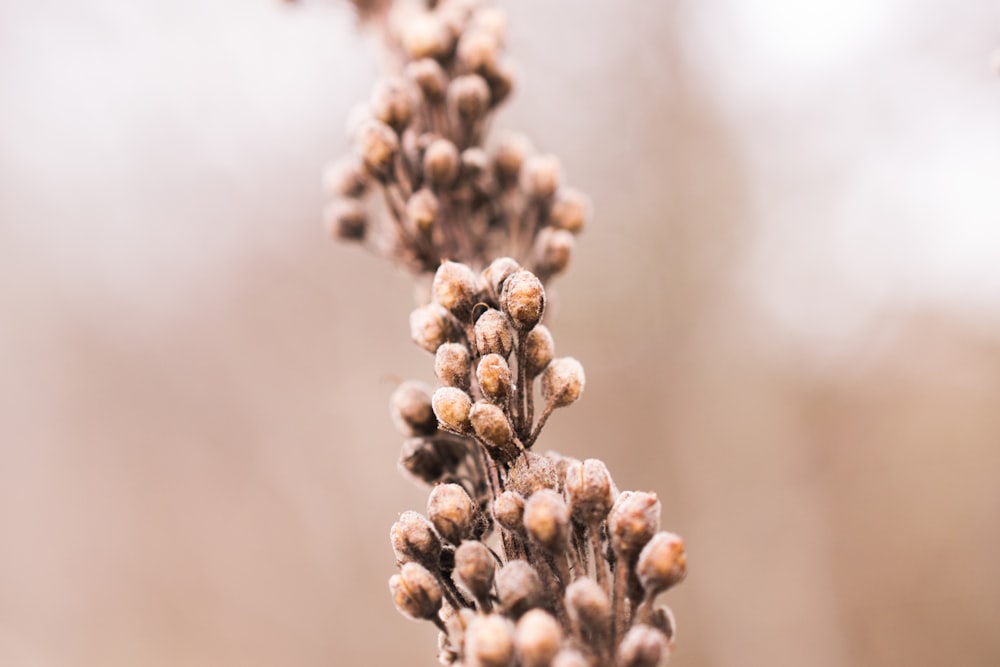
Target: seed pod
589	609
508	510
540	177
563	382
642	646
344	178
493	334
429	78
497	272
546	520
441	164
451	511
553	248
454	288
570	211
451	365
422	209
426	36
489	642
477	51
416	592
590	491
414	540
430	459
539	350
633	521
378	146
511	152
519	588
410	408
537	638
491	424
494	378
662	563
469	97
430	327
523	299
475	568
346	219
530	473
569	657
392	102
452	407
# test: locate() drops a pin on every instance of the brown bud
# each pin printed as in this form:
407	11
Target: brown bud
633	521
452	407
477	51
475	568
451	511
523	299
416	592
663	620
589	609
553	248
426	36
430	327
540	176
440	163
539	350
344	178
494	378
662	563
410	408
570	211
497	272
414	540
546	520
455	288
429	78
509	156
570	657
430	459
392	102
590	490
451	365
493	334
378	146
489	642
537	638
346	219
491	424
532	472
508	510
642	646
422	209
563	381
469	96
519	588
502	81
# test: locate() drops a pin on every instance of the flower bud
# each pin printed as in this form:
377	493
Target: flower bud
392	102
539	350
344	179
501	81
491	424
497	272
590	490
451	511
494	378
410	408
469	96
570	211
663	620
430	326
511	152
519	588
452	407
523	299
475	568
429	78
642	646
477	51
441	163
493	334
570	657
416	592
537	638
451	365
422	209
455	289
662	563
346	219
489	642
493	20
414	540
540	176
430	459
426	36
508	510
553	248
532	472
589	608
546	520
378	145
563	381
633	521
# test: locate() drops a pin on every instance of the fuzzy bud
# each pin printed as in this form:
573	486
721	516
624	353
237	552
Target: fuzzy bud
416	592
508	510
530	473
430	327
590	490
642	646
422	209
451	365
378	146
537	638
539	350
589	608
497	272
570	211
553	248
563	381
475	167
426	36
502	81
430	459
414	540
523	299
491	424
477	51
493	20
511	152
546	520
570	657
519	588
450	509
429	78
469	96
452	406
540	176
346	219
494	378
392	103
662	563
343	178
410	408
475	568
455	288
633	521
493	334
489	642
440	163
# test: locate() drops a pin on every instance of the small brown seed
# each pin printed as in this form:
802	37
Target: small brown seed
491	424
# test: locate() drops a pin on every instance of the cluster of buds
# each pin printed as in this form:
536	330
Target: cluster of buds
421	185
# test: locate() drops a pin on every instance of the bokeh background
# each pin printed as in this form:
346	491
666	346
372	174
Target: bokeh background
788	307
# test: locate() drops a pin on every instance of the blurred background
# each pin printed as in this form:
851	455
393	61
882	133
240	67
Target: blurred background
788	306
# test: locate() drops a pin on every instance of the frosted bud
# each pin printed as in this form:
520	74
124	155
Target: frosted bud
452	406
563	382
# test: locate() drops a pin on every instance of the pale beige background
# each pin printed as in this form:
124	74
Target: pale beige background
788	307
